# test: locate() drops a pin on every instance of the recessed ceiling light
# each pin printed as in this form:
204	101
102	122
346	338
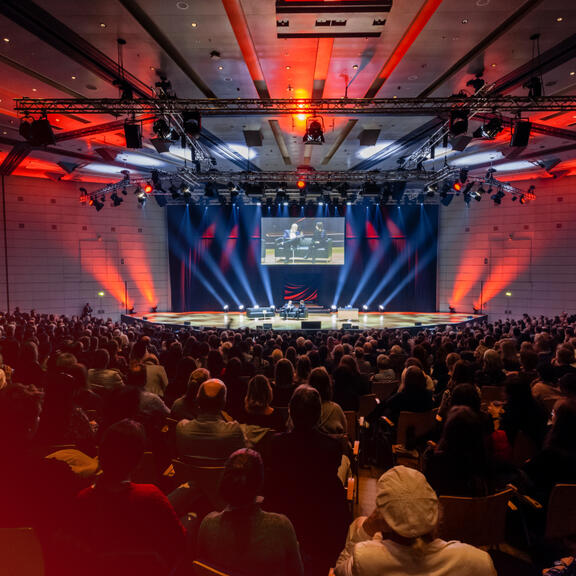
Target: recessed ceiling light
73	77
493	65
220	67
355	67
482	2
464	20
413	77
102	24
194	24
182	5
34	90
227	79
572	73
57	120
559	19
6	40
288	67
152	68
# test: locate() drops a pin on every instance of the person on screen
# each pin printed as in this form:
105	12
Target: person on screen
292	238
318	240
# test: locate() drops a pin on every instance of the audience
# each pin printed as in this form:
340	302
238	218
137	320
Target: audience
399	536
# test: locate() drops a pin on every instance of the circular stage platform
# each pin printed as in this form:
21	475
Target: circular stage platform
315	321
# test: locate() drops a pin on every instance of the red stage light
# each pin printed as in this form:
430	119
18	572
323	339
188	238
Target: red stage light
301	184
148	188
457	186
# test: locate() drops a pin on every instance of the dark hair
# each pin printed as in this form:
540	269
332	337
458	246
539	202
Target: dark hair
561	435
242	478
305	407
466	395
320	380
101	359
414	380
284	374
303	366
121	448
463	436
136	376
259	394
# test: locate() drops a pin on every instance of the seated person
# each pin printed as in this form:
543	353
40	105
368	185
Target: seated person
287	310
291	240
115	521
301	310
243	537
318	241
398	537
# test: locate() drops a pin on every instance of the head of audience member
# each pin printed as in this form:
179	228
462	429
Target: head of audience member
567	385
451	360
466	395
546	373
382	362
563	430
320	380
348	361
462	373
29	353
528	359
491	362
137	376
121	449
284	374
242	478
407	506
211	398
233	370
303	367
463	436
305	408
101	359
20	408
259	395
197	377
413	381
565	355
276	355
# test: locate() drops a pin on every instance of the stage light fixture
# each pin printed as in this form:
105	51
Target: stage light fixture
380	307
301	184
132	310
458	122
37	132
334	308
154	309
116	200
497	198
148	188
96	203
489	130
225	307
431	189
192	124
133	133
174	192
451	309
241	307
476	83
210	189
314	131
365	307
457	186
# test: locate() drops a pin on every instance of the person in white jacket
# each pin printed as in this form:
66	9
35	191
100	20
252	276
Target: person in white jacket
398	538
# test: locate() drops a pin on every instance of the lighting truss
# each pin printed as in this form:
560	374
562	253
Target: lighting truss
484	103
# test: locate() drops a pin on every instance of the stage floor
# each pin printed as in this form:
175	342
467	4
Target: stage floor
369	320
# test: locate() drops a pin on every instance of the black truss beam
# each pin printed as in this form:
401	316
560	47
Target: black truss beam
349	106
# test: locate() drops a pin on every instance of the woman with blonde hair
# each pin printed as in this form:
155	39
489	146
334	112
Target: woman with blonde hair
257	406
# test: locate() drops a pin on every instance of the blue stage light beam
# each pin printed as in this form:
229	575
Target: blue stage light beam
351	249
256	247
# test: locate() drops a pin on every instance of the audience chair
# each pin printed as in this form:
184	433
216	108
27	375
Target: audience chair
203	569
561	514
476	521
413	429
20	552
351	424
366	404
383	390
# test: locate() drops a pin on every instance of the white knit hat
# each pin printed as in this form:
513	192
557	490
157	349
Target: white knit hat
407	502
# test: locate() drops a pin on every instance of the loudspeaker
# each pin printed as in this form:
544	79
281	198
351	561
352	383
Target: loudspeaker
133	135
346	326
311	325
186	322
417	323
267	326
521	133
144	317
253	138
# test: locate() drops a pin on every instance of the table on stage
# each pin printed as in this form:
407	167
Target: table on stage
347	314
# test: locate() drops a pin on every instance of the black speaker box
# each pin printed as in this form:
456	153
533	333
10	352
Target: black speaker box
346	325
311	324
186	323
133	135
521	133
417	323
267	326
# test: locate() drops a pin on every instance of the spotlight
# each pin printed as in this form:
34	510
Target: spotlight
241	307
476	83
381	307
497	198
148	188
116	200
333	307
301	185
156	180
96	203
192	123
365	307
132	310
458	122
457	186
174	192
314	131
489	130
431	189
154	309
451	309
210	189
226	307
37	132
463	175
475	310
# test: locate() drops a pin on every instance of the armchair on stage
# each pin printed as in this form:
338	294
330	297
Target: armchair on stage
302	249
289	310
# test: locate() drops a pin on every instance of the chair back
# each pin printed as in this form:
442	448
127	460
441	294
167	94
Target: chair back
414	426
146	472
476	521
20	552
491	394
366	404
351	418
561	514
384	389
204	474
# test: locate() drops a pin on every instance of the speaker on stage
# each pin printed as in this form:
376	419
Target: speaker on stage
186	322
417	323
311	324
267	326
346	326
521	133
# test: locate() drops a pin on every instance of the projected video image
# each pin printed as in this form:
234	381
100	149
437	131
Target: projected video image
302	241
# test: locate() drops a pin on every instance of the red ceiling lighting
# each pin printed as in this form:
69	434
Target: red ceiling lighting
301	184
148	188
457	186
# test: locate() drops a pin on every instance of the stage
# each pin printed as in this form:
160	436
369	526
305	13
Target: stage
315	320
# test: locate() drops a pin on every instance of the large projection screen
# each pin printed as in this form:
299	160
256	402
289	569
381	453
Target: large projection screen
302	241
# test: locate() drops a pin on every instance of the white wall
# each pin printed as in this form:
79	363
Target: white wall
61	253
528	250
